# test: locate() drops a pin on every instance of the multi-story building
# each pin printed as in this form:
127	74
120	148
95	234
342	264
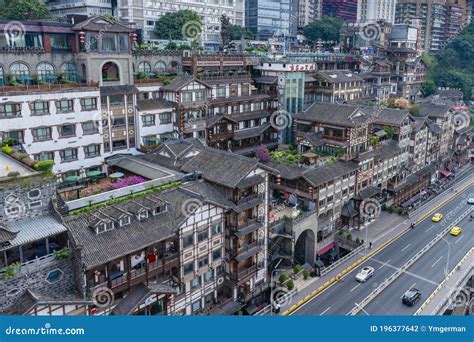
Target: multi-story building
340	130
344	9
61	8
418	143
379	84
267	18
336	86
440	19
308	11
374	10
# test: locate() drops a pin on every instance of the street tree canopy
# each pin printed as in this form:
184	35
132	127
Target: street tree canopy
179	25
326	29
23	10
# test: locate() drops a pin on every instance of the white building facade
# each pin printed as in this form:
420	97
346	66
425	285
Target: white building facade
373	10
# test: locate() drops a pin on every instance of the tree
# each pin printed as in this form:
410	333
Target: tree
429	87
238	32
327	28
179	25
415	110
24	10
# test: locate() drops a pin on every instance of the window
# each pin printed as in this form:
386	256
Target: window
69	154
89	103
186	97
150	140
66	131
203	235
60	42
45	72
203	262
92	151
188	240
19	70
216	229
220	92
118	122
44	156
196	305
41	134
39	108
160	66
196	282
208	276
2	76
90	127
17	136
10	110
200	95
64	106
216	255
148	120
69	71
123	41
257	106
144	68
108	43
165	118
188	268
125	221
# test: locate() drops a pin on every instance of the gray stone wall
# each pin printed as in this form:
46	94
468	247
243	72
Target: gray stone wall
30	196
12	290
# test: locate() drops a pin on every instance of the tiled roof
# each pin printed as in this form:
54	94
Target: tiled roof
251	132
338	114
338	76
118	90
180	82
433	110
391	116
221	167
154	104
34	229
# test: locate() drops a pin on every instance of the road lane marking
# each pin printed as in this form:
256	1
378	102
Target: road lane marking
322	313
406	247
355	287
441	257
429	228
401	297
455	242
385	263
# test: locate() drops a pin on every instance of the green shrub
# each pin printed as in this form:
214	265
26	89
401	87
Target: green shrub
283	277
305	274
349	237
8	141
44	165
290	285
62	253
297	268
7	150
13	174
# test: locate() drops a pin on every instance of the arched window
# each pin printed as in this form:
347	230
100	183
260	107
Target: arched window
2	76
174	66
69	71
19	69
144	67
160	67
110	72
45	72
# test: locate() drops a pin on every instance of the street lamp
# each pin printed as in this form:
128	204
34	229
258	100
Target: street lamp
447	260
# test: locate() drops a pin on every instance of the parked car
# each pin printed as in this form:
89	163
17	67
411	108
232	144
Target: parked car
411	296
364	274
470	200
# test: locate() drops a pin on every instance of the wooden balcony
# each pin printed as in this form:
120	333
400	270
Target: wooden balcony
243	274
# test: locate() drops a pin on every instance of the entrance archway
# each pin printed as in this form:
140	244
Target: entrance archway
305	247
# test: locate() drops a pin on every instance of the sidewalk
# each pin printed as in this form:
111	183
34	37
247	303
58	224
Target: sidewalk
379	233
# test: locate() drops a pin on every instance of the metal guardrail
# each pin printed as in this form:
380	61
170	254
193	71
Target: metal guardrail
464	175
333	266
401	270
268	309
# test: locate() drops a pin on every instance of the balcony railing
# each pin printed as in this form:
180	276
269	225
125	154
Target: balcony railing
119	281
242	274
134	273
47	87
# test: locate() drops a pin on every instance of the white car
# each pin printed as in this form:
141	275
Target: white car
364	274
470	200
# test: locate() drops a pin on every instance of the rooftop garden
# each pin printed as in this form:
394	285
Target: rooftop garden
287	154
106	184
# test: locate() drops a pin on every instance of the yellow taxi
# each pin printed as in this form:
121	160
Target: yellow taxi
455	231
437	217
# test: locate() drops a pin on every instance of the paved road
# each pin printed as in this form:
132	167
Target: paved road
426	274
341	298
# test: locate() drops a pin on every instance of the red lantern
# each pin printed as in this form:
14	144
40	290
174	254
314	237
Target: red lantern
93	311
82	37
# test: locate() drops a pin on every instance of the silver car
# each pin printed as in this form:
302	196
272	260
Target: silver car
470	200
364	274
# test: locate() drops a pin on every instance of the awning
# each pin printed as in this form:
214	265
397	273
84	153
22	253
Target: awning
327	248
226	309
445	173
